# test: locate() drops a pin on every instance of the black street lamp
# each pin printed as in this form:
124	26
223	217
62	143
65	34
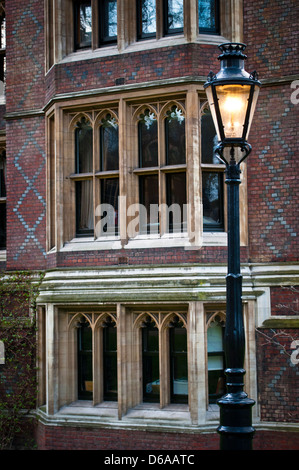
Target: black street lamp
232	94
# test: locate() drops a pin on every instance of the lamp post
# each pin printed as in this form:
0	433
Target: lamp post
232	94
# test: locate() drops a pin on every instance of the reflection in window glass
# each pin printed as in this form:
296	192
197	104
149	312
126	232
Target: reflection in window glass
176	202
146	18
148	140
109	196
149	199
150	360
178	362
109	144
85	379
84	208
212	195
83	24
83	147
209	139
108	21
208	16
110	360
175	137
174	16
216	366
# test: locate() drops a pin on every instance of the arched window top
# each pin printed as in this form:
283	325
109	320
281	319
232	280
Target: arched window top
107	118
175	113
145	320
147	117
216	318
174	320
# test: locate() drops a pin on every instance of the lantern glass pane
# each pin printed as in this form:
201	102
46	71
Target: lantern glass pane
233	102
252	109
213	110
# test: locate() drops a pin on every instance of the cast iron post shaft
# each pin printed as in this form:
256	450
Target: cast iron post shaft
236	431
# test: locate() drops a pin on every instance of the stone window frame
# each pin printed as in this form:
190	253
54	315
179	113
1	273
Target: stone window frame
58	359
59	29
60	121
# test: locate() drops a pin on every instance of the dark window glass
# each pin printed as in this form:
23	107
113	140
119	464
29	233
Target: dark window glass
109	196
175	137
83	24
216	365
84	208
178	362
149	199
108	21
146	18
176	201
85	380
208	16
212	195
2	225
110	360
148	140
173	16
2	175
109	144
2	53
83	145
209	139
150	359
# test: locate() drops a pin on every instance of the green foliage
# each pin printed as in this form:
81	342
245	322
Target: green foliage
18	381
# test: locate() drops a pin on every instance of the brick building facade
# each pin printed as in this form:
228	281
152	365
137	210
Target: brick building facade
75	89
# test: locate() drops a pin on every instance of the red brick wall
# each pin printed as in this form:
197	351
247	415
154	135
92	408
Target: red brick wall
272	178
285	300
277	375
25	55
73	438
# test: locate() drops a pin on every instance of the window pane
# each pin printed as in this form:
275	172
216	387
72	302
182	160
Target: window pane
85	380
146	17
174	16
83	24
209	139
176	201
84	208
148	140
212	195
208	16
2	175
110	360
149	199
150	359
216	376
2	225
109	144
109	197
175	137
178	362
83	137
108	21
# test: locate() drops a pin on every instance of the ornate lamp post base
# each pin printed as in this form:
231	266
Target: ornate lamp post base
236	431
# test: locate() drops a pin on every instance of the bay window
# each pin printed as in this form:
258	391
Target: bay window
135	174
